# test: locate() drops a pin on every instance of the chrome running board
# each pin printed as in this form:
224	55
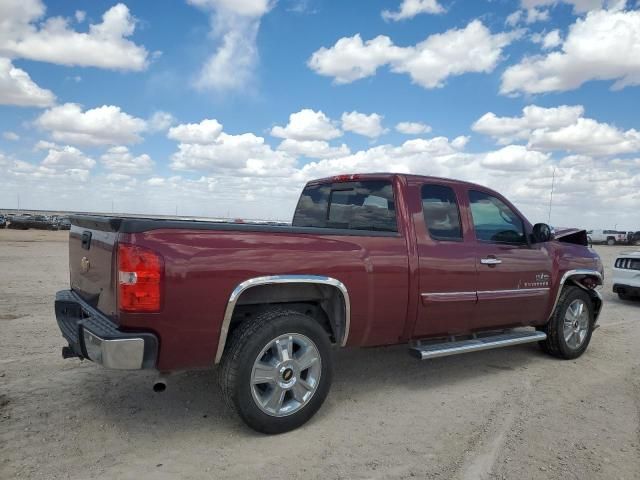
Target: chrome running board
424	351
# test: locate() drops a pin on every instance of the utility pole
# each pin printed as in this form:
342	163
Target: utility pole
553	181
18	201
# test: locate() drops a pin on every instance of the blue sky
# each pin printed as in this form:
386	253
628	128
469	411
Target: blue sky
500	92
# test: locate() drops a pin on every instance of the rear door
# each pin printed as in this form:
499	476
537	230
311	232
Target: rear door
513	276
447	270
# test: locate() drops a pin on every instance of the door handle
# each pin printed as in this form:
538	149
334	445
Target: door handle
490	261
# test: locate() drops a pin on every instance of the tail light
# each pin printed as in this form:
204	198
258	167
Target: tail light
140	272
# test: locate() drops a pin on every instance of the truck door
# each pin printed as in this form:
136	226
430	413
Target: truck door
446	261
513	275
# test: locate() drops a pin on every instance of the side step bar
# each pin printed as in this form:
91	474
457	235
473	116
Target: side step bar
502	339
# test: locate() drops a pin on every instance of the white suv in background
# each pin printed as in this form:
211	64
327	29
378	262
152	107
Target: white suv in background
610	237
626	275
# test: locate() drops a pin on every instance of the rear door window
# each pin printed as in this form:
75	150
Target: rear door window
367	205
494	221
441	212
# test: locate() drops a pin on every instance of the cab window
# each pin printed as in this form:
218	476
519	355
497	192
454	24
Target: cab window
441	212
494	221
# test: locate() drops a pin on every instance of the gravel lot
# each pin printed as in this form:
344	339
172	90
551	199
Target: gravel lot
507	413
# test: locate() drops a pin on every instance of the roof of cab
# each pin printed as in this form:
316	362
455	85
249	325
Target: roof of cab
351	177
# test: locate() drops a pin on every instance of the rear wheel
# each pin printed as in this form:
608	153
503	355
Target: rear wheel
611	241
624	296
277	370
571	325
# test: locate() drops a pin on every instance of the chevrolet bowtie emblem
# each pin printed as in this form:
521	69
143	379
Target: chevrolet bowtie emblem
85	265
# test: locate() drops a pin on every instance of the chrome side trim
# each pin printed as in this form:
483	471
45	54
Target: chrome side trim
280	279
448	297
516	290
572	273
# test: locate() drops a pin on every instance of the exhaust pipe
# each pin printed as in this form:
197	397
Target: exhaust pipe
160	384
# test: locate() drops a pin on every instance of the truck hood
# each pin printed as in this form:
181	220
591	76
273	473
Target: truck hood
632	254
570	235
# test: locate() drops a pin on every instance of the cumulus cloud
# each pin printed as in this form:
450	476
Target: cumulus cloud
591	51
105	125
363	124
17	88
25	33
120	161
307	124
413	128
562	128
206	131
548	40
234	28
312	148
411	8
10	136
68	157
160	121
428	63
514	158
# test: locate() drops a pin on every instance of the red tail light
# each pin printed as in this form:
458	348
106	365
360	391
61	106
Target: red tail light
140	273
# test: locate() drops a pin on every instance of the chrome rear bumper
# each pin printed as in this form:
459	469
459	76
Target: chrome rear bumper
94	336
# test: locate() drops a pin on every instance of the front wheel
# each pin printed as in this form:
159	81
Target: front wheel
611	241
571	325
277	370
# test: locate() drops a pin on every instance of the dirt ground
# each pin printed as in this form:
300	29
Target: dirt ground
506	413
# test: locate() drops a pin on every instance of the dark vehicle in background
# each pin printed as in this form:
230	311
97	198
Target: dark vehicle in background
3	221
64	223
38	222
443	266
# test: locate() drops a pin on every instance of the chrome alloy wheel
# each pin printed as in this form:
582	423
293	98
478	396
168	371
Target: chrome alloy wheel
286	374
576	324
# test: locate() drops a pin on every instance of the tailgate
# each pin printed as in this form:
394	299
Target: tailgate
92	258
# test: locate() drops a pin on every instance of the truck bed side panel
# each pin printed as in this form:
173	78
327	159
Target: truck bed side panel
204	266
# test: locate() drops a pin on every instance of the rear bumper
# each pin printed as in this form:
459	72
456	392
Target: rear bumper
94	336
631	290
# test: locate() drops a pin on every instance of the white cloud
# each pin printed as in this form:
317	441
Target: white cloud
312	148
428	63
411	8
413	128
561	128
24	34
17	88
120	161
307	124
11	136
204	147
80	15
547	40
587	136
605	45
160	121
105	125
508	129
234	29
67	158
363	124
206	131
514	158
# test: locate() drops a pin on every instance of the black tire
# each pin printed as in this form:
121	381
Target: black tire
611	241
555	343
244	346
623	296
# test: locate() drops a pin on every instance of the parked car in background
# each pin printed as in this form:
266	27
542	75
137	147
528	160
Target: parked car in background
64	223
626	275
633	238
444	266
610	237
38	222
3	221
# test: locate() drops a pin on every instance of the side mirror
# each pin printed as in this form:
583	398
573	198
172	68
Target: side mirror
541	233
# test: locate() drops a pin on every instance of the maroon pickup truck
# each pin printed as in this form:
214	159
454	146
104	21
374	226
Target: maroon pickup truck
443	266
